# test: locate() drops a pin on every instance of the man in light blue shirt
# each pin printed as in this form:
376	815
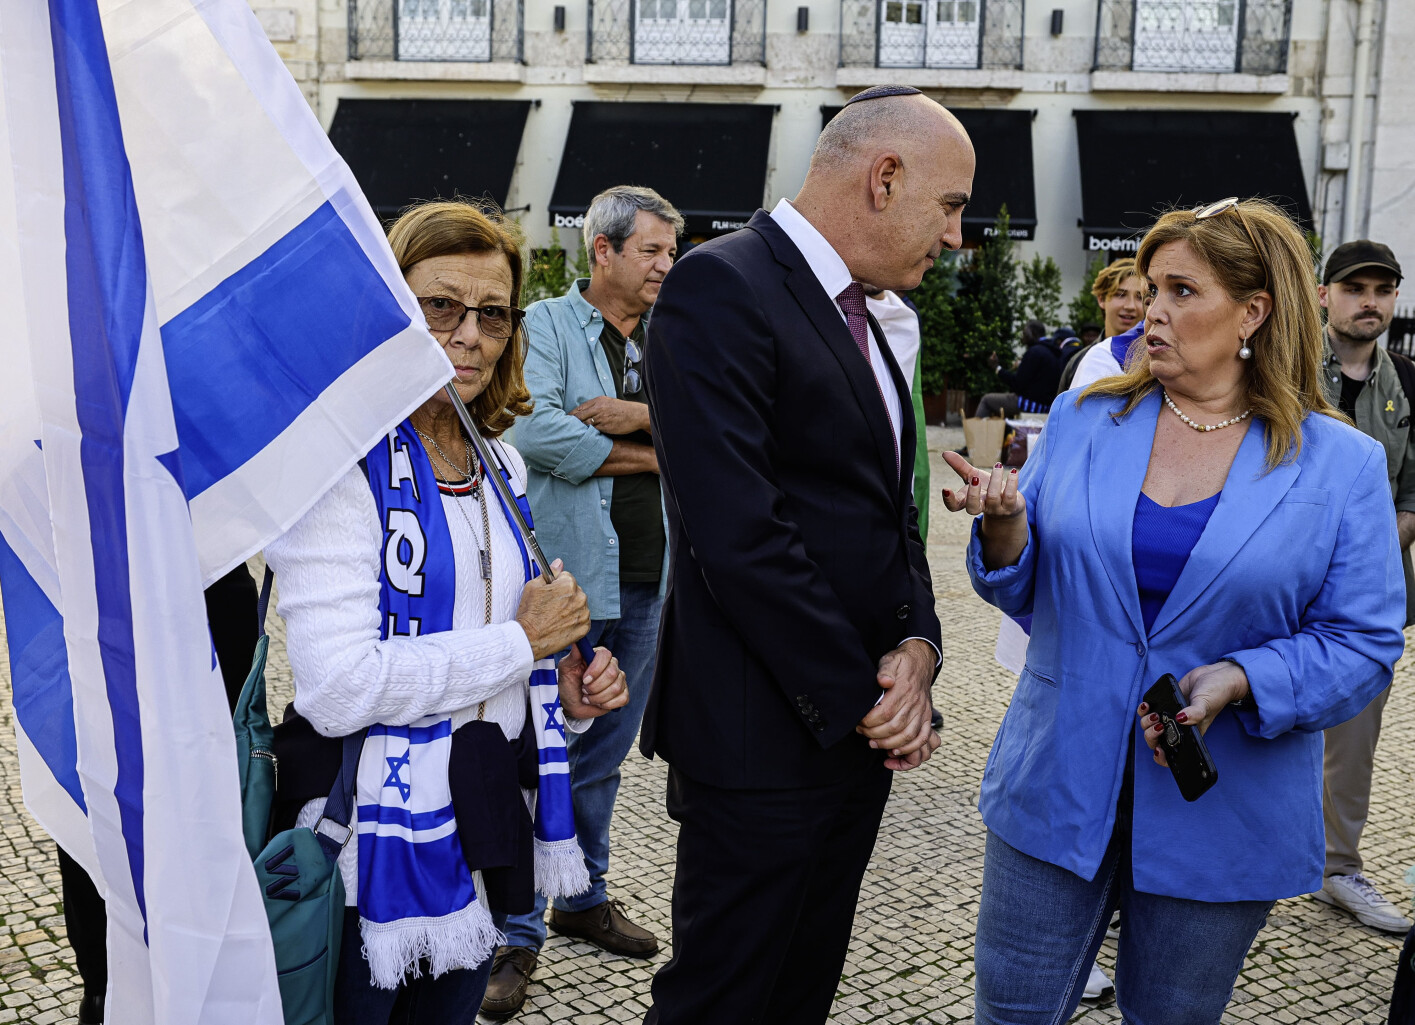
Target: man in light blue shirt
594	490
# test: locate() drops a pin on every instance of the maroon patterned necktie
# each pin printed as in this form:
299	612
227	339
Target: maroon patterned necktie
852	304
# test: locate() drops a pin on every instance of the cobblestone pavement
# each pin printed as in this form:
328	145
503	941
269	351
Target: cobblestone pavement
911	957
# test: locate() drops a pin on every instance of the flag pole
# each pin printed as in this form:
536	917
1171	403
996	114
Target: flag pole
493	473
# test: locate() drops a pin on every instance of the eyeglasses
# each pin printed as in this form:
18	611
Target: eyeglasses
633	380
1223	206
445	314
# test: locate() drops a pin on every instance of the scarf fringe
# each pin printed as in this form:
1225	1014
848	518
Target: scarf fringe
396	951
560	868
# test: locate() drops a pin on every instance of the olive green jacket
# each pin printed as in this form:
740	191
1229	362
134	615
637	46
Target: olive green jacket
1383	412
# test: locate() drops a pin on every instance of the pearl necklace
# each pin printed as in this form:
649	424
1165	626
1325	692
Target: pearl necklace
1205	427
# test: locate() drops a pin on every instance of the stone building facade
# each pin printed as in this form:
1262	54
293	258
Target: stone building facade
1194	87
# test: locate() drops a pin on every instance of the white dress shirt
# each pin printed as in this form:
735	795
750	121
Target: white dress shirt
834	276
900	325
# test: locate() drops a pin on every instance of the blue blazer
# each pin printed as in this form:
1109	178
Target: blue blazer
1297	577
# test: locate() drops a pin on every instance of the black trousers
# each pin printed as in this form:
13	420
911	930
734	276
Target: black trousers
231	612
1402	997
764	899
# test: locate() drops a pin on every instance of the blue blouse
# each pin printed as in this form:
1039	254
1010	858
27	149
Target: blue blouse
1162	538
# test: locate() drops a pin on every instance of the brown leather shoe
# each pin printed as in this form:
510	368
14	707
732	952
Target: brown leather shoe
511	970
606	926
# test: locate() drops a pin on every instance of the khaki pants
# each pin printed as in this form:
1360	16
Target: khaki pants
1346	785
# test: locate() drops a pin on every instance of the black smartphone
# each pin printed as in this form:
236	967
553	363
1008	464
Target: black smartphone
1184	748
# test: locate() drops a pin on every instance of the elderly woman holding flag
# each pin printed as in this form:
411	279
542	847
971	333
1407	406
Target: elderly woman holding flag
414	612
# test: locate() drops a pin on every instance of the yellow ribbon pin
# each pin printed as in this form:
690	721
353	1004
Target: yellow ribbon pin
1390	405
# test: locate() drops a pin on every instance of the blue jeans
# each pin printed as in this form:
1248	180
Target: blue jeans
1039	927
453	998
596	754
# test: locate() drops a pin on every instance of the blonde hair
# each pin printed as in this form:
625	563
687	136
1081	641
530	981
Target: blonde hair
1110	277
1283	378
455	227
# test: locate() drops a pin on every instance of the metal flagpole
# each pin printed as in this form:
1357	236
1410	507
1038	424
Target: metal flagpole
504	490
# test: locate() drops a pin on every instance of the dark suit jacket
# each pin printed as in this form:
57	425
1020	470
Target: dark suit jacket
796	561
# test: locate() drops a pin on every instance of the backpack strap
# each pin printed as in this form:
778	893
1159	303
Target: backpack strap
263	603
332	830
1405	370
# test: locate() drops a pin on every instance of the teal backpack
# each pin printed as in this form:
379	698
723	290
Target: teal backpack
297	868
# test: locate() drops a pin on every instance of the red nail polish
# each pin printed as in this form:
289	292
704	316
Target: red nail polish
1181	717
975	482
1014	471
997	466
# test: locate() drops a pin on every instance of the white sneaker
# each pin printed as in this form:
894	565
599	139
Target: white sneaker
1354	893
1098	985
1113	930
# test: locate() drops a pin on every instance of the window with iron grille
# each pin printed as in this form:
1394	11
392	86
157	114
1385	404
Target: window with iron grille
931	33
677	31
1193	35
435	30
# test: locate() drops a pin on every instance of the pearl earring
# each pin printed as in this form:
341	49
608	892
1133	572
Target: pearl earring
1246	352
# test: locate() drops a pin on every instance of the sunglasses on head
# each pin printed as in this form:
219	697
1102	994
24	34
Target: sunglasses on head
1223	206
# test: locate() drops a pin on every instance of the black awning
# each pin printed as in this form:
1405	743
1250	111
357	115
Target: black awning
707	159
1002	140
405	150
1135	164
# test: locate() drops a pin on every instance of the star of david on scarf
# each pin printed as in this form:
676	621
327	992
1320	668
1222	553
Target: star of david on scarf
551	722
395	766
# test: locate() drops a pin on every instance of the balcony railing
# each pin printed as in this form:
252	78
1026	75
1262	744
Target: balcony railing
676	32
931	33
436	30
1248	36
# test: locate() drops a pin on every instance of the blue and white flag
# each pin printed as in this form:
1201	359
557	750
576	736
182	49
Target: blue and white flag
202	328
1013	636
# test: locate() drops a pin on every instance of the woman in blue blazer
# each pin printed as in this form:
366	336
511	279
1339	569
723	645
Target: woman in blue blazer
1207	514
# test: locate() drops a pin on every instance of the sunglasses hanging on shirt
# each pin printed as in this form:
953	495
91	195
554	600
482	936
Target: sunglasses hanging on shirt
633	381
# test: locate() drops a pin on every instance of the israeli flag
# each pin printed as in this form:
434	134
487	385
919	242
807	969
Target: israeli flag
201	328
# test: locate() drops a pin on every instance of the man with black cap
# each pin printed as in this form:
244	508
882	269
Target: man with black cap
799	640
1373	387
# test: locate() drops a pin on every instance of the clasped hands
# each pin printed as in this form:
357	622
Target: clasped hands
1208	689
900	722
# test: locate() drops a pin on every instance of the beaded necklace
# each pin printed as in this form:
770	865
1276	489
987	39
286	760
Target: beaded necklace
1205	427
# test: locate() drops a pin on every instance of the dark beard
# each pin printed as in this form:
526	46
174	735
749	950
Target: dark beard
1364	330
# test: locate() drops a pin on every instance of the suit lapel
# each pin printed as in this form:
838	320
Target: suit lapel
825	316
1120	455
1248	496
908	430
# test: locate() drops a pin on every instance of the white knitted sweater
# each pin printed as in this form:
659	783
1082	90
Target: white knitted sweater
347	677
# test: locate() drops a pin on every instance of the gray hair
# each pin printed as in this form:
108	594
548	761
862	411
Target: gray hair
613	212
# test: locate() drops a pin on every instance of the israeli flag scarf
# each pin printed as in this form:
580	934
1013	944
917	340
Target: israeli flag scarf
417	897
